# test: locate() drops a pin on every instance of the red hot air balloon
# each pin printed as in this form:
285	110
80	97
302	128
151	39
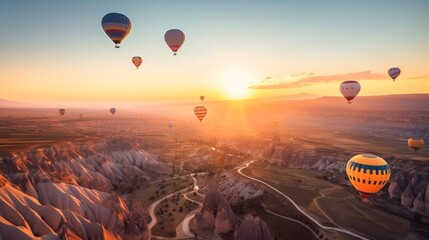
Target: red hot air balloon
117	26
200	112
202	98
350	90
137	61
174	39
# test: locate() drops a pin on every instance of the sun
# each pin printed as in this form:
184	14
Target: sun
237	89
236	86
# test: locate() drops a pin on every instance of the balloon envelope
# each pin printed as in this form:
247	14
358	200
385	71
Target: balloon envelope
112	111
350	89
137	61
415	143
62	111
276	122
174	39
394	72
200	112
368	174
117	26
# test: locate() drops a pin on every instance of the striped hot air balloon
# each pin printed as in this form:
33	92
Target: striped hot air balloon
350	90
415	143
368	174
117	26
394	73
200	112
174	39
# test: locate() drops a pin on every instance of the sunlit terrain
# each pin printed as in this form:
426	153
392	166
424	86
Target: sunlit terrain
174	174
214	120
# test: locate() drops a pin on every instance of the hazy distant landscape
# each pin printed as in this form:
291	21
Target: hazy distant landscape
132	164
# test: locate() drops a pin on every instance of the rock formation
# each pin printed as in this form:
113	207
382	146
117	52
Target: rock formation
66	192
216	212
252	228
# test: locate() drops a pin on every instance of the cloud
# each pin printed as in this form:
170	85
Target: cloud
305	79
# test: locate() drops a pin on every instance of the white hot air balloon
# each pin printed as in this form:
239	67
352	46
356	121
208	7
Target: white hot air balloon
394	72
350	89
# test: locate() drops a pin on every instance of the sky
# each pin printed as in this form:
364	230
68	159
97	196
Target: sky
56	51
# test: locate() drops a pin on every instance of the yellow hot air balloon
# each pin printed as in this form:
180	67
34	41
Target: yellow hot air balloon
415	143
368	174
276	122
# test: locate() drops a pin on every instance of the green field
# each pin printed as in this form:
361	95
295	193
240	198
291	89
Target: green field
150	192
170	213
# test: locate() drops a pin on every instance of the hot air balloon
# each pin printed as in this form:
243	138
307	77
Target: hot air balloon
368	174
394	72
350	90
276	122
137	61
117	26
81	115
415	143
62	111
174	39
170	125
200	112
202	98
112	111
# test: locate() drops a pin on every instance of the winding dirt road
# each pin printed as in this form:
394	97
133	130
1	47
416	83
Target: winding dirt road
338	229
182	230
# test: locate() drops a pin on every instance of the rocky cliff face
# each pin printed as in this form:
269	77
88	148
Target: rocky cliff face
252	228
66	191
409	182
216	212
236	189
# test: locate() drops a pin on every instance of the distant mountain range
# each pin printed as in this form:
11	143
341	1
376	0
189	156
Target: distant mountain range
8	103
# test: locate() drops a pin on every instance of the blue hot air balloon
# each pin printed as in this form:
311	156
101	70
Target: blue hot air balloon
117	26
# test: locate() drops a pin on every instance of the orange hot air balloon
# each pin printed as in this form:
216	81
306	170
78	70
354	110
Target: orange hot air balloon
200	112
276	122
174	39
202	98
368	174
62	111
137	61
415	143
